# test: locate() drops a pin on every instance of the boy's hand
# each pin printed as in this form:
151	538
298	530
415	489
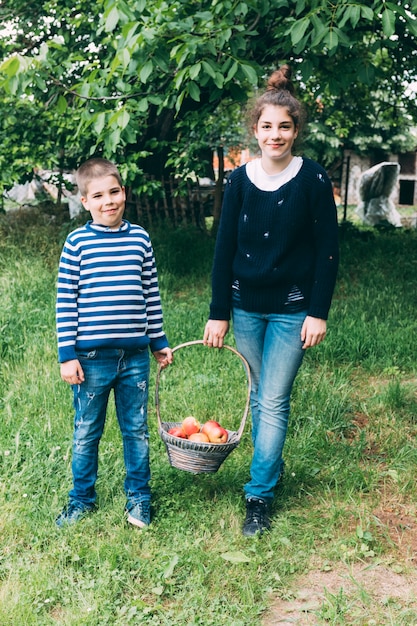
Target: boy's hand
164	357
72	372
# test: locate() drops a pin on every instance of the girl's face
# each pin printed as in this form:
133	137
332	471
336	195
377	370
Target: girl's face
276	133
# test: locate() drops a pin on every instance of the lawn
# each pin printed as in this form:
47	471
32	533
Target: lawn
348	498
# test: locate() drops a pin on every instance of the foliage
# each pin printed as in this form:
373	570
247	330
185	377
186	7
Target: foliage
350	452
146	82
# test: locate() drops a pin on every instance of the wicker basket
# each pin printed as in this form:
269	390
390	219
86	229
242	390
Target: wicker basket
200	457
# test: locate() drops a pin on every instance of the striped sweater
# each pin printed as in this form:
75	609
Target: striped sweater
107	292
274	244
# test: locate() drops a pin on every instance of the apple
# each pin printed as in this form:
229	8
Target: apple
201	437
190	425
209	425
177	431
215	432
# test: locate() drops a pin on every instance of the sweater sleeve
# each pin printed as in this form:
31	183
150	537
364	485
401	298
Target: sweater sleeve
225	249
66	302
325	236
158	339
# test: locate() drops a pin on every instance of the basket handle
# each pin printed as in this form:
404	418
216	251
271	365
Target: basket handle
248	375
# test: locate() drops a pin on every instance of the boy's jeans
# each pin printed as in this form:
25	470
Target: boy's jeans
271	343
128	374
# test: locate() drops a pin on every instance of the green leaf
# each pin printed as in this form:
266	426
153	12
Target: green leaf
250	73
319	31
209	69
179	78
219	80
236	557
111	20
161	60
300	6
232	71
40	82
99	123
142	105
366	74
123	119
146	71
194	91
195	70
172	564
332	39
124	56
397	8
11	66
112	140
154	99
388	22
204	16
179	101
354	14
367	13
298	30
61	104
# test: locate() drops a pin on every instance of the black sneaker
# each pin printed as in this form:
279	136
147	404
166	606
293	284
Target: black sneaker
257	520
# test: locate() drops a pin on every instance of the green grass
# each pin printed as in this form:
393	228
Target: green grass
350	450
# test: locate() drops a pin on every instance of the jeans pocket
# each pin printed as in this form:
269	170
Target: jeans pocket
87	356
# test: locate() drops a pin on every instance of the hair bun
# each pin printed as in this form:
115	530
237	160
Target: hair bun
281	79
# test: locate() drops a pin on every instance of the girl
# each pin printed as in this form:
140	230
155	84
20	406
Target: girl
274	272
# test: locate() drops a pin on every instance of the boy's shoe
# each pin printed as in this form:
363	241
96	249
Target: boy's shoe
139	514
256	520
73	513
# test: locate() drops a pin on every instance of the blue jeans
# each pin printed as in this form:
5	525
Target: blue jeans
271	343
127	373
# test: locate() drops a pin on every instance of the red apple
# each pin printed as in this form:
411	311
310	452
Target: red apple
177	431
209	425
215	432
190	425
201	437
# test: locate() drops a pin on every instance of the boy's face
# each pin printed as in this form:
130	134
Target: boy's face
105	200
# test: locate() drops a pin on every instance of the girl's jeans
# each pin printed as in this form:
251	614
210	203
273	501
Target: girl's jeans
271	343
127	373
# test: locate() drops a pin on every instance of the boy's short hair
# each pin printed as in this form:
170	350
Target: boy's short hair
95	168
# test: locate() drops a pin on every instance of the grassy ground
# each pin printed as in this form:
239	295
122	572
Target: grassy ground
350	456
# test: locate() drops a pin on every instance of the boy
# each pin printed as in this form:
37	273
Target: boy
108	316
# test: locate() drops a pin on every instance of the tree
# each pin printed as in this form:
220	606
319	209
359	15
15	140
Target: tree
141	81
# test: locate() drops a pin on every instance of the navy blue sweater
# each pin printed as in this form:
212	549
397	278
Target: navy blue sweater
273	242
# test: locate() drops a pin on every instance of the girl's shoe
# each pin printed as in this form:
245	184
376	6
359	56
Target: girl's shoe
256	520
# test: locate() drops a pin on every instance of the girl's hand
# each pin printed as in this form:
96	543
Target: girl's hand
313	331
214	333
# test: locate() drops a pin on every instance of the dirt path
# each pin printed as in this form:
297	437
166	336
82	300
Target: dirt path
370	594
